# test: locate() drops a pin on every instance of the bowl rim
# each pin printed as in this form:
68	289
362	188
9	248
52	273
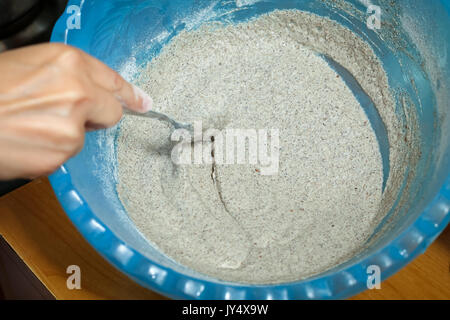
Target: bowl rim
341	283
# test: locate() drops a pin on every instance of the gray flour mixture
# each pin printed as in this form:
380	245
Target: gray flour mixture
231	221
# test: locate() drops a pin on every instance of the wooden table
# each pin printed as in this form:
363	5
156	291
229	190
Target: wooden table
35	226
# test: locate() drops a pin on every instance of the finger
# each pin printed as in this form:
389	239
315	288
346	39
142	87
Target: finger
129	95
44	132
103	109
30	163
41	53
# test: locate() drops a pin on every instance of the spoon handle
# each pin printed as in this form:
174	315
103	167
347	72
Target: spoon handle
160	116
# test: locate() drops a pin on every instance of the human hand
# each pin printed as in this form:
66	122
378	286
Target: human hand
50	94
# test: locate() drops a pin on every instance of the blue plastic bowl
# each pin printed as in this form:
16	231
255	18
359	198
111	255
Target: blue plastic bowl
114	31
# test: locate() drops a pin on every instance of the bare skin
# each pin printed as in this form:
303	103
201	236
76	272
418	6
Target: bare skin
50	95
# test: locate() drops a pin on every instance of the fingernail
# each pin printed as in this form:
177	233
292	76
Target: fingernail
147	101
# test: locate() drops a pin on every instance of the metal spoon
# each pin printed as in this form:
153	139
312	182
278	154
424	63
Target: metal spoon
147	102
161	116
